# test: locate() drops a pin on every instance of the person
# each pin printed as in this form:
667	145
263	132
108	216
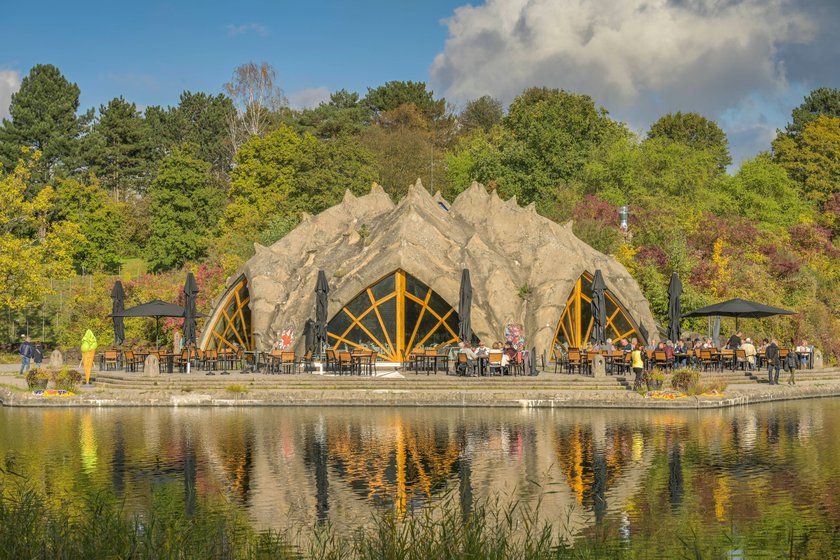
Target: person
511	353
804	352
25	355
638	365
681	352
669	351
771	353
482	350
749	352
792	363
471	356
654	345
734	341
37	354
625	345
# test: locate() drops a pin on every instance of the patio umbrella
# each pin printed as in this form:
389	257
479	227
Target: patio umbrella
190	295
464	305
190	312
674	310
117	307
155	308
599	309
738	308
322	291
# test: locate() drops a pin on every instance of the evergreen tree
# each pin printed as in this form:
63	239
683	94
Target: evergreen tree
44	118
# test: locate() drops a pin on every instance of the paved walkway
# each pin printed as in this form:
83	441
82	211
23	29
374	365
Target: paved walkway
548	390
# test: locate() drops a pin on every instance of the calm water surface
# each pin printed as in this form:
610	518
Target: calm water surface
757	476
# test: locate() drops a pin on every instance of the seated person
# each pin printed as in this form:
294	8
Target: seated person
482	350
749	352
511	353
804	352
471	356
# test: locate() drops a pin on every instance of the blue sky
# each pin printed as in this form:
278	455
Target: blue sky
744	63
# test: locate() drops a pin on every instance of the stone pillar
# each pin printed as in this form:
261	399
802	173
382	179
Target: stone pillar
599	367
152	366
818	359
56	359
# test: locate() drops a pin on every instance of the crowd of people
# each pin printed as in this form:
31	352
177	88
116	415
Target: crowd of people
509	355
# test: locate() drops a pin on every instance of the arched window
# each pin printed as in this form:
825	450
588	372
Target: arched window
231	324
393	316
575	327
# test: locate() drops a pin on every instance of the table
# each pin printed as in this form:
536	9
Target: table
255	362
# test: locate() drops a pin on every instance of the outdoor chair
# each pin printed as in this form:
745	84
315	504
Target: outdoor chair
288	363
707	361
345	363
306	361
515	366
367	363
331	361
557	358
727	359
575	362
274	359
110	360
662	361
741	360
463	367
181	360
131	361
616	362
494	363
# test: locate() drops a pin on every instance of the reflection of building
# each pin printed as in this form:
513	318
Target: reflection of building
394	274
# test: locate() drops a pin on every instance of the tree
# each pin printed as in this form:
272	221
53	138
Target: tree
100	220
255	96
396	93
43	119
117	149
822	101
481	114
200	120
343	114
32	250
285	174
813	157
185	207
696	131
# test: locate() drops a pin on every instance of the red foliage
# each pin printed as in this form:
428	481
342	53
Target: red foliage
781	261
736	233
648	254
596	209
813	239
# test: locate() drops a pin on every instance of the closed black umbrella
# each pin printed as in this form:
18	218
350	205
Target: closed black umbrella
322	292
464	305
190	312
674	308
155	308
117	307
738	308
599	310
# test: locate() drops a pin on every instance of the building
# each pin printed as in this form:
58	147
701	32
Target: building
394	273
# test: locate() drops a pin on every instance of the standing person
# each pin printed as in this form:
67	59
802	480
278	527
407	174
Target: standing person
37	354
638	365
792	363
734	341
771	353
88	352
25	355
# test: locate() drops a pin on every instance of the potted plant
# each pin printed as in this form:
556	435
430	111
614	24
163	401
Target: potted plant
654	379
37	378
684	379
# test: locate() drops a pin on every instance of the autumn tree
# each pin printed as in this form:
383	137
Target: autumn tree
822	101
481	114
813	157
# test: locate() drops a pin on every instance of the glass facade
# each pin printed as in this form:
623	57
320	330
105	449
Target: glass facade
393	316
575	327
232	327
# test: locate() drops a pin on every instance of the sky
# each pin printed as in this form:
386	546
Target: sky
744	63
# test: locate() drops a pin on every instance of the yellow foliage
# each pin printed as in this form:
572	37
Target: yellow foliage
625	255
722	273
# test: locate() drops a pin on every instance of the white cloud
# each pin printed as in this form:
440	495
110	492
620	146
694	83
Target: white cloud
638	58
9	84
309	97
259	29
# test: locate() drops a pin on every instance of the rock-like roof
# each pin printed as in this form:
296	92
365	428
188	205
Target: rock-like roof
504	245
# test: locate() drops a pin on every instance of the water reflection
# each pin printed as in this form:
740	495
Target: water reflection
623	472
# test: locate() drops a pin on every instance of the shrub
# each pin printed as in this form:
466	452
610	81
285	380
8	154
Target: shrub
66	379
684	379
236	389
709	384
37	377
654	379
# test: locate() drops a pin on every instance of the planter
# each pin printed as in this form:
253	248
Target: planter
654	385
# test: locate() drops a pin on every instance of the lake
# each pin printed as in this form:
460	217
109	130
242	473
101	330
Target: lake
759	478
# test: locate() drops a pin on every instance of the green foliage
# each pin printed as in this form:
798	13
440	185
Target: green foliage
43	119
811	158
117	150
36	377
821	101
481	114
695	131
100	221
343	114
185	206
397	93
66	379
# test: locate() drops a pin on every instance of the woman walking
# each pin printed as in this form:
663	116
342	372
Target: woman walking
638	365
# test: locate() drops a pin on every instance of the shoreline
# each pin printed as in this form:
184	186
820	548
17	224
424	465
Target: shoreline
546	391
